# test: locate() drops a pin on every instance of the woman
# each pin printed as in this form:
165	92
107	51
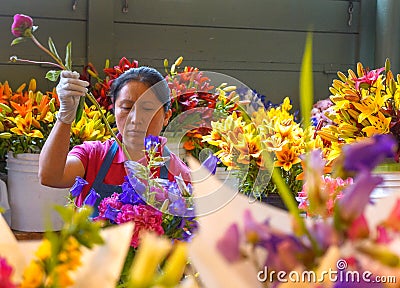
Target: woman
142	107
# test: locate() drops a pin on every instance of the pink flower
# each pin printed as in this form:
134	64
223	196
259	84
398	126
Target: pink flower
369	78
358	228
145	217
228	245
5	274
393	221
22	25
111	201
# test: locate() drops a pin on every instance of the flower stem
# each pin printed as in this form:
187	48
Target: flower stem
97	105
48	52
15	59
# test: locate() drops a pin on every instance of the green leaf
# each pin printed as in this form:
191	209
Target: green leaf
53	75
79	111
306	83
68	56
18	40
53	49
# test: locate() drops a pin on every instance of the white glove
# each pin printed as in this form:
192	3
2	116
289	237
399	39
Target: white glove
69	90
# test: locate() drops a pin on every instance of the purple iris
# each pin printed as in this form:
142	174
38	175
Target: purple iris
211	163
76	189
91	198
365	155
151	142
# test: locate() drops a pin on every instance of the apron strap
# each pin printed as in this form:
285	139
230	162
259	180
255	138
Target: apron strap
105	165
165	168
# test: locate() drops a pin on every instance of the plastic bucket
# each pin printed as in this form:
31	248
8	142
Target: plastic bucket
32	204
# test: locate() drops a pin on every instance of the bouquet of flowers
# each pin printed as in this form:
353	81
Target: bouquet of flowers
243	145
344	241
365	103
196	102
152	204
28	115
66	258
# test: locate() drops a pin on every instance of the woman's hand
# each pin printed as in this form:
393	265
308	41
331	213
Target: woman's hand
69	90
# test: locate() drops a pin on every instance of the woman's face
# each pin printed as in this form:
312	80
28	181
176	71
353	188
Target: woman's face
138	113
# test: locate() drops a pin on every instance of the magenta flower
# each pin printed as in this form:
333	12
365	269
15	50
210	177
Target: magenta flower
228	245
22	25
5	274
369	78
109	202
145	217
359	229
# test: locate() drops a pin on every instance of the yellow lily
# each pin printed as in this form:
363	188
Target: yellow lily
24	125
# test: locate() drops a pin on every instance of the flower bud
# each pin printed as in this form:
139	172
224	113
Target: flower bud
5	135
179	61
22	25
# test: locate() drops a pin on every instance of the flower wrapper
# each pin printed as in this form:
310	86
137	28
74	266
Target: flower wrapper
10	250
102	265
108	259
213	269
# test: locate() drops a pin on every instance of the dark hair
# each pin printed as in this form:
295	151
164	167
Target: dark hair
147	75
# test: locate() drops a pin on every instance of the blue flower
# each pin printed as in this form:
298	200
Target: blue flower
211	163
111	213
91	198
76	189
129	196
151	142
178	207
137	185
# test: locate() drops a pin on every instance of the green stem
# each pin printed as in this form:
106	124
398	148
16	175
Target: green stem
97	105
48	52
15	58
91	98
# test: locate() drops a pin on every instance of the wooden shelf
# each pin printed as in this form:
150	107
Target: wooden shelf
22	235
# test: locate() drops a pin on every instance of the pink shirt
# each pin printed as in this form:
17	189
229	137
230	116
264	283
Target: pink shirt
92	154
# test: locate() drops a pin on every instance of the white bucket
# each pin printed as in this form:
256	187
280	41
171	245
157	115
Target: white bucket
32	204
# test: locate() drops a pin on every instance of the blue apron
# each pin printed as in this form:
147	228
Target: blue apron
106	190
